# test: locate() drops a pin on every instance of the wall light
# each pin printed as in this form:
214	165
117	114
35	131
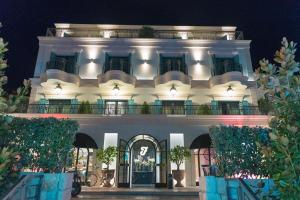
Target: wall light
173	91
230	90
58	89
184	35
107	34
116	90
92	60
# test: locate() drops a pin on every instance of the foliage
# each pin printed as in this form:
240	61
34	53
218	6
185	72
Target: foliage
236	151
204	110
106	155
44	143
281	85
3	78
18	102
145	108
264	106
85	108
178	154
146	32
7	175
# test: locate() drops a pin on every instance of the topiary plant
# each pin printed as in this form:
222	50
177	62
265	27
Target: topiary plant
204	110
178	154
145	108
107	155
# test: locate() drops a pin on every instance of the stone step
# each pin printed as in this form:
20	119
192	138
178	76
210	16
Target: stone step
142	193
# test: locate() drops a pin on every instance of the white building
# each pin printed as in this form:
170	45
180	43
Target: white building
191	77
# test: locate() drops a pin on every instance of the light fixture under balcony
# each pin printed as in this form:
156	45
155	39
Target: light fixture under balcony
184	35
230	90
107	34
116	90
173	91
58	89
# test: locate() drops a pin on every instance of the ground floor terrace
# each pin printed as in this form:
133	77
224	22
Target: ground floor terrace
143	143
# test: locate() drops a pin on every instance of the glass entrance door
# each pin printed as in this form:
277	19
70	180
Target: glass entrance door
143	162
115	107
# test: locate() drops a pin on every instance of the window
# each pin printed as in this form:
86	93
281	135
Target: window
172	64
224	65
66	63
173	107
121	63
229	107
115	107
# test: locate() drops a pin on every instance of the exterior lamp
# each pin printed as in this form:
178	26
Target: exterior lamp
229	90
173	91
58	89
116	90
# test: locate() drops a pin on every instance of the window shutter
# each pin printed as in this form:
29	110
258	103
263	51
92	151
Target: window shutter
106	63
245	107
52	56
43	105
157	107
237	65
100	106
214	67
184	68
128	65
215	107
74	106
131	106
188	104
160	64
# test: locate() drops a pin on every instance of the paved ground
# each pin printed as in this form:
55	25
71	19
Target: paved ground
140	193
132	197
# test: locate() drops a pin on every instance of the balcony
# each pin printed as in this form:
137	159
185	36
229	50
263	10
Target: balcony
139	110
135	33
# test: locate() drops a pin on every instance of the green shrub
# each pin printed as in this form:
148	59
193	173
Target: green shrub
264	106
204	110
145	108
85	108
45	144
146	32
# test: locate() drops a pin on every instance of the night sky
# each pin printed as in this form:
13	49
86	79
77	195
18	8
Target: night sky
264	22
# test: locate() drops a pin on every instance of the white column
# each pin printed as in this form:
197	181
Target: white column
110	139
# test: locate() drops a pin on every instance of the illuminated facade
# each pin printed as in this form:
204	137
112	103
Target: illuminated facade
146	90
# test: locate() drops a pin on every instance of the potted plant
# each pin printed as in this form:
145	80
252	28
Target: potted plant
177	155
107	156
146	32
145	108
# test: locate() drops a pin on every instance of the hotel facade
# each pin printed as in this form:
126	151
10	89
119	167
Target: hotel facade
145	89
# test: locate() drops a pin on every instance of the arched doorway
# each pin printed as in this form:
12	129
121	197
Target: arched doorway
204	156
84	148
142	161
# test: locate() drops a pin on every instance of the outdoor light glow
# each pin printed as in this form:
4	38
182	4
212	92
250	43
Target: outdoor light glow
183	35
116	90
230	91
58	89
173	91
107	34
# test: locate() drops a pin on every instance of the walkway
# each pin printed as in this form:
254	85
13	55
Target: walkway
139	193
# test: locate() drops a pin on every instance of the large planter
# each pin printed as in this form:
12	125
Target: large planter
54	186
178	175
108	176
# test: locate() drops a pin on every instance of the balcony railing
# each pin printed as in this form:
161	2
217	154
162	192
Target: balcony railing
134	33
63	66
139	109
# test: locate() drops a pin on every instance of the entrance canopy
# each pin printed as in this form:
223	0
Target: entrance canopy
202	141
84	141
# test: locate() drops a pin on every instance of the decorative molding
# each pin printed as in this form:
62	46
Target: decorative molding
116	75
173	76
60	75
228	77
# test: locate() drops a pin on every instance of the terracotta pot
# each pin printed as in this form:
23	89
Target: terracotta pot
178	175
108	175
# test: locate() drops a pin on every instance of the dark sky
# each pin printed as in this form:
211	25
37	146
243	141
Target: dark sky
264	22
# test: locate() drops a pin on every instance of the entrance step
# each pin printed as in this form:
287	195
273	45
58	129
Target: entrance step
141	191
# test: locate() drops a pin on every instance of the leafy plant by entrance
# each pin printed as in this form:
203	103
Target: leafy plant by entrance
85	108
178	154
107	155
